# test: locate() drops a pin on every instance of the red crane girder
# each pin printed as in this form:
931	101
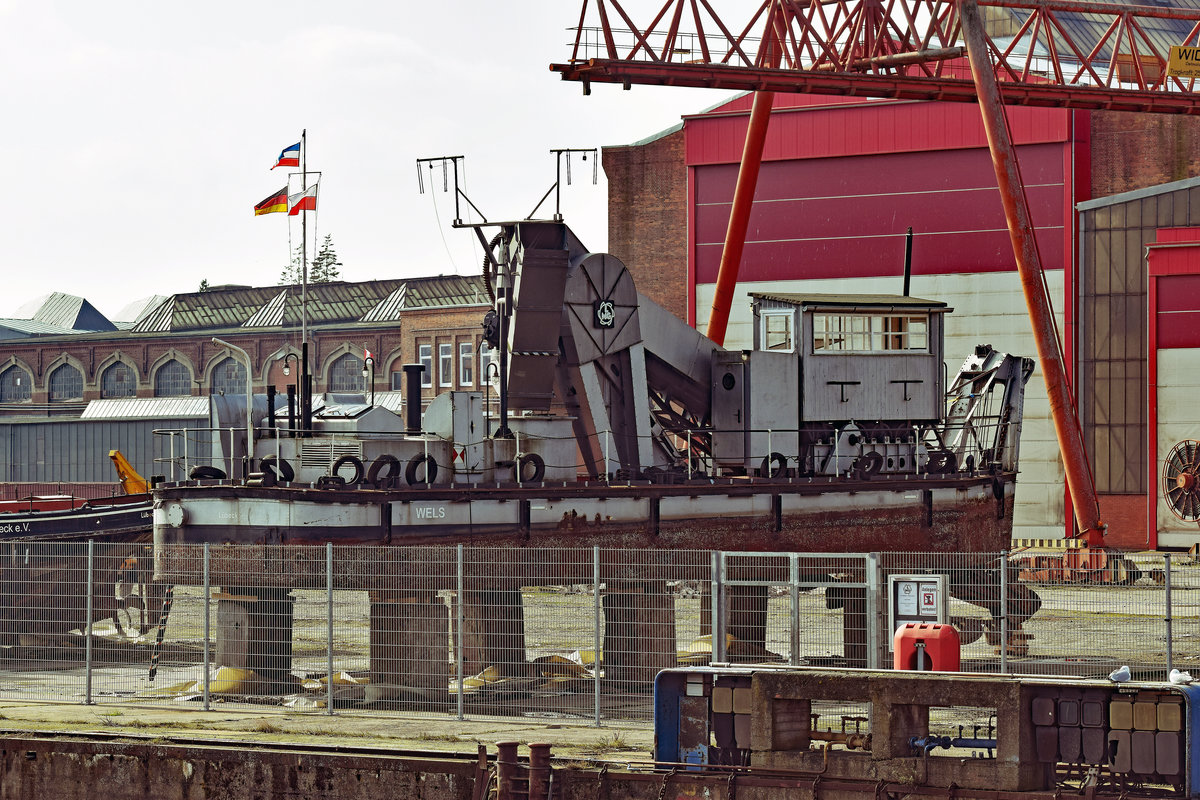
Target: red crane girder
1043	52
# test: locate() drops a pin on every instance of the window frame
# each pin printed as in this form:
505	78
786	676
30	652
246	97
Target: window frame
75	378
425	358
466	363
157	380
773	314
105	393
869	334
445	364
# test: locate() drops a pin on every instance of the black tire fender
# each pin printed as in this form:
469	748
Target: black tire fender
283	470
415	463
773	466
388	462
521	468
202	473
353	461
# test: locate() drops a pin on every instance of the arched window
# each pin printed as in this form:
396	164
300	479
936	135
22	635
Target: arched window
345	374
66	383
118	380
15	385
229	377
173	379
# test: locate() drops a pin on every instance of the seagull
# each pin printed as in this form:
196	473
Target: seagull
1119	675
1179	677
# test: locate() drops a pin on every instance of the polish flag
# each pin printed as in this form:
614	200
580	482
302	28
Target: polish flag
304	201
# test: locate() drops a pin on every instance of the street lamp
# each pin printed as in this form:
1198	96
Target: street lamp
287	370
249	402
369	374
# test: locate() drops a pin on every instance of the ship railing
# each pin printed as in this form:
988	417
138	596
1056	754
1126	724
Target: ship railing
982	443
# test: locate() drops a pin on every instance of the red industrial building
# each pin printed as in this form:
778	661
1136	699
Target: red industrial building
842	180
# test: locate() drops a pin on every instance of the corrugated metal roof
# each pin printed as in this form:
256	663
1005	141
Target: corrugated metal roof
446	290
269	315
389	309
847	299
1087	30
32	327
158	320
137	310
1138	194
72	312
338	301
147	408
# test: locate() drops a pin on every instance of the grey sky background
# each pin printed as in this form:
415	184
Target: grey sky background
138	136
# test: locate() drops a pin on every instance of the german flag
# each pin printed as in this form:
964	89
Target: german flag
277	202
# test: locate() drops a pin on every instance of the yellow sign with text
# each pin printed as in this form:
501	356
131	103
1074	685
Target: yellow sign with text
1184	62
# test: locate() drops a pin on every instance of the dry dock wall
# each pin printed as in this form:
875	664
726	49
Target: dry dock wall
69	769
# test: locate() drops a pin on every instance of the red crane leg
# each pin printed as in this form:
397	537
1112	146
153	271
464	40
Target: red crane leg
739	215
1029	267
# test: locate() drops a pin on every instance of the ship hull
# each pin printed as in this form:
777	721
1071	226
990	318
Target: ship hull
944	514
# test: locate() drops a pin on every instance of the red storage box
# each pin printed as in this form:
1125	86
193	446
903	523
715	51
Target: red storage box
940	643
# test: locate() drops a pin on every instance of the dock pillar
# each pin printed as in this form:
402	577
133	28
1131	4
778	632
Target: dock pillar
639	633
408	645
745	618
494	632
254	632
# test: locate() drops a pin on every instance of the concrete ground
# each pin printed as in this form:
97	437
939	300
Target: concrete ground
620	741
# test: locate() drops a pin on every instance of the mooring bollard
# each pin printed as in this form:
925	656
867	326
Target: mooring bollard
507	771
539	771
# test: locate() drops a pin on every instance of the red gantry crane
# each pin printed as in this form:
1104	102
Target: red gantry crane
1087	55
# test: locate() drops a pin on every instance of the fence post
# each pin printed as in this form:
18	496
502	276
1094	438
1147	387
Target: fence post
718	606
1169	613
329	627
794	598
460	639
873	615
1003	611
87	628
207	621
597	622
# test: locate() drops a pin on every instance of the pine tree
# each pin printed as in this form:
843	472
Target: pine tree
323	267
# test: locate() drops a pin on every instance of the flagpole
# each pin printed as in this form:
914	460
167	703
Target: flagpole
306	379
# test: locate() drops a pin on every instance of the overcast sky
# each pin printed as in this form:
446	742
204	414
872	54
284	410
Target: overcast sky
138	136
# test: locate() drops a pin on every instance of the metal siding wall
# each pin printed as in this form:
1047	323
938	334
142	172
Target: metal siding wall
76	451
1113	332
860	128
838	217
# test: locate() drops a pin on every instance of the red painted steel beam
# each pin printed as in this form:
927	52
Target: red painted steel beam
1029	267
825	82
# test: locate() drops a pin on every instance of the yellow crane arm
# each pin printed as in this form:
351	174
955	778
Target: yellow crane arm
131	481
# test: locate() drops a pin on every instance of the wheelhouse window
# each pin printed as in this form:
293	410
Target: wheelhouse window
466	364
229	377
173	379
346	374
66	383
777	331
870	333
117	380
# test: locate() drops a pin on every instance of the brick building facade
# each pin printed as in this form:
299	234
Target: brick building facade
170	352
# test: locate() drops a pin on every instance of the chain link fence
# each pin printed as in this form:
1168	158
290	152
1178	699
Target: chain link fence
571	633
